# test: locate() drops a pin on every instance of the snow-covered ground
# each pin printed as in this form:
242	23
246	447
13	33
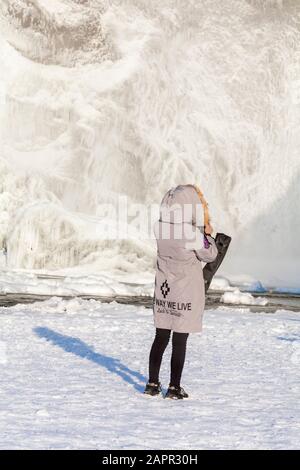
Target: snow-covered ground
98	284
72	373
73	282
78	282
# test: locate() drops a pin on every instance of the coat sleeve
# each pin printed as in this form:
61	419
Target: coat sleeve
209	251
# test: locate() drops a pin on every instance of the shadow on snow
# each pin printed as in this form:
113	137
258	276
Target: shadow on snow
79	348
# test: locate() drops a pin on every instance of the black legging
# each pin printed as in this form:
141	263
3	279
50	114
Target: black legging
178	355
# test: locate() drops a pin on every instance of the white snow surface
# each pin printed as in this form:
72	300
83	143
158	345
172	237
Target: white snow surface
106	98
80	282
101	284
72	375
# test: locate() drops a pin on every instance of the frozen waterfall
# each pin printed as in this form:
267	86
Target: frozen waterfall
101	98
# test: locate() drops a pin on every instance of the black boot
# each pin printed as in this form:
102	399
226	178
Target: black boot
152	389
176	393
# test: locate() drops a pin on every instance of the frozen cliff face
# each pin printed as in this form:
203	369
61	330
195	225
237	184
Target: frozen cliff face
65	33
102	98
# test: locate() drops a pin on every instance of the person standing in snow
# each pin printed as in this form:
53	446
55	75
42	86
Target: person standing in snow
183	241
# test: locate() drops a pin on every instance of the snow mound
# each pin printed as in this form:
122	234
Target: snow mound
238	297
220	283
21	282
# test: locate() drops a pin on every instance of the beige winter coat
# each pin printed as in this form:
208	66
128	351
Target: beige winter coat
181	246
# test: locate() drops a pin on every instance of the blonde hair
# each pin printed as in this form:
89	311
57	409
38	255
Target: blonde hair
204	204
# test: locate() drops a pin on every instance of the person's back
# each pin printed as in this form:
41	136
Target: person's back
179	287
173	241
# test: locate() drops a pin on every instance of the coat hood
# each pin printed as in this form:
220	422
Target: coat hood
181	204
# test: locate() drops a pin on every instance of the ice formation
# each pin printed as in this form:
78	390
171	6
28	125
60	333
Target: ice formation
105	97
